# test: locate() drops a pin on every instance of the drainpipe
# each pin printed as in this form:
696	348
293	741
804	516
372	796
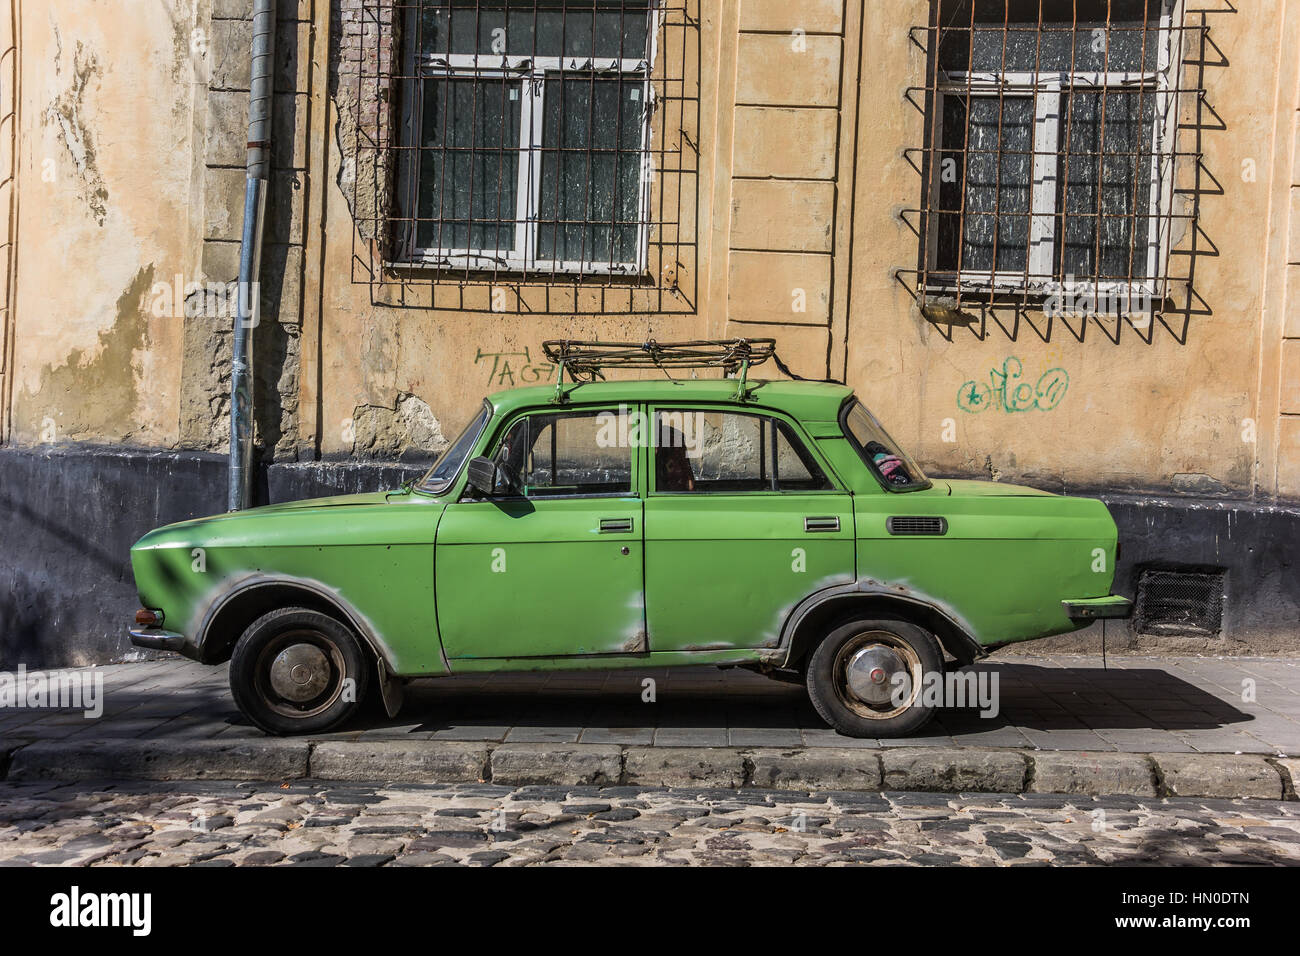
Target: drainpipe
247	306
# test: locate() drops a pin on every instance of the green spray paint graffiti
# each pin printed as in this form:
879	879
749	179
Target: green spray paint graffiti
1007	391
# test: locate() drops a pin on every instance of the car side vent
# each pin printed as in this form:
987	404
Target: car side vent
916	524
1180	602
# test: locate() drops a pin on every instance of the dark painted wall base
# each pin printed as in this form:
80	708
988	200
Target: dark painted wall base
68	517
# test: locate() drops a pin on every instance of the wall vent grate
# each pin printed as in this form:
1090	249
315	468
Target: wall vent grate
1180	602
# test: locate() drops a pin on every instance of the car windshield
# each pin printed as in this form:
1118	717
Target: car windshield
893	466
439	478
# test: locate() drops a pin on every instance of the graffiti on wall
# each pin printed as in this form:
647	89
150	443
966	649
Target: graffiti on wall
511	369
1011	391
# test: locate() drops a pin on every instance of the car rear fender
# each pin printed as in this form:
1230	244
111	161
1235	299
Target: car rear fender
816	615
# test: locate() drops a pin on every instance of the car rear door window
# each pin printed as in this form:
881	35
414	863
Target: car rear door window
699	451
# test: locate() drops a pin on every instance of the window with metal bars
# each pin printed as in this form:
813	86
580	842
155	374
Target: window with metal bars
1051	151
530	124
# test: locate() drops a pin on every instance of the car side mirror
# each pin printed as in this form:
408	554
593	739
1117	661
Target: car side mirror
482	474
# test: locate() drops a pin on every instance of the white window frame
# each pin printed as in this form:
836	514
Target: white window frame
530	74
1049	126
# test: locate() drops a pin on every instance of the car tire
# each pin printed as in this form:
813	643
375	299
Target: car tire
851	677
290	670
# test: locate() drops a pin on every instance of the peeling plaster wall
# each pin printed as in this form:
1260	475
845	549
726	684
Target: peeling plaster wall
1176	412
105	212
131	152
131	171
383	345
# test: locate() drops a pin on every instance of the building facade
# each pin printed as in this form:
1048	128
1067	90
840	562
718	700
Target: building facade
1052	242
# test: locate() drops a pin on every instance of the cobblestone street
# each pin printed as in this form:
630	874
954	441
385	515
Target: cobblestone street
221	824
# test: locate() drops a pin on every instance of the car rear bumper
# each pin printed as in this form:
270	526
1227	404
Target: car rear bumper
157	639
1092	609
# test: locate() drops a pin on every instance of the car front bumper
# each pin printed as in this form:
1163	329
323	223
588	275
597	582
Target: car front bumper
1093	609
157	639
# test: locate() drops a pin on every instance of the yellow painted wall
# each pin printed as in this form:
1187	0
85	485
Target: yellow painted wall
800	229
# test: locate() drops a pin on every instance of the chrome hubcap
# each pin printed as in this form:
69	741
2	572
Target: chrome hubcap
870	674
300	672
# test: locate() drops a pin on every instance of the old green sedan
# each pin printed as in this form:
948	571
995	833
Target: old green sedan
773	525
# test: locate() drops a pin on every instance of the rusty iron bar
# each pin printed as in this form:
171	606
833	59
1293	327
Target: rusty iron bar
632	257
1148	149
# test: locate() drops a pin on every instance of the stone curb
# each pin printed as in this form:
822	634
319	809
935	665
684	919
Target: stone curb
267	759
559	764
935	769
399	761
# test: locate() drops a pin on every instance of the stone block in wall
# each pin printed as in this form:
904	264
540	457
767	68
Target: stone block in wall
223	205
230	44
281	276
782	215
802	348
786	142
227	129
1288	457
1293	238
1289	400
219	261
780	70
779	287
811	16
1292	322
281	281
243	9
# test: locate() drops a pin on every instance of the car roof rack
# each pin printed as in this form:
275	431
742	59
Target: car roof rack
586	360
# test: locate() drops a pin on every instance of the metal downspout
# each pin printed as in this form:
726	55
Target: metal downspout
247	305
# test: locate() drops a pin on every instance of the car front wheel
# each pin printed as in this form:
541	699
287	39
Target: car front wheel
298	671
865	679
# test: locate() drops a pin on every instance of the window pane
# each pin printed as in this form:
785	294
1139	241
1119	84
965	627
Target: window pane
1074	36
712	452
1116	164
589	201
572	454
997	177
796	469
895	468
601	28
469	160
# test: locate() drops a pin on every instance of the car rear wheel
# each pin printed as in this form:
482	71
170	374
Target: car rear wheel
865	679
298	671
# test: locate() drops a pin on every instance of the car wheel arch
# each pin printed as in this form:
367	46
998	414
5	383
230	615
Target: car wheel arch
237	608
821	613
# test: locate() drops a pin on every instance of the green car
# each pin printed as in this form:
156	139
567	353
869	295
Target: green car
772	525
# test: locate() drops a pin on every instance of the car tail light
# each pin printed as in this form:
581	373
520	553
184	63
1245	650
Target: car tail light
147	617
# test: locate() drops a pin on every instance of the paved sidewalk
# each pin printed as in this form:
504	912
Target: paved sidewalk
1135	705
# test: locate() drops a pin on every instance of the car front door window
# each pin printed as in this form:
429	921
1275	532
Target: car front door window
566	533
568	454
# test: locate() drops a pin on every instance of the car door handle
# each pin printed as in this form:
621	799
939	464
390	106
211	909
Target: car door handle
821	524
615	525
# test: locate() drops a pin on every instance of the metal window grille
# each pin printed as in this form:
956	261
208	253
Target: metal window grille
527	155
1180	602
1052	152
